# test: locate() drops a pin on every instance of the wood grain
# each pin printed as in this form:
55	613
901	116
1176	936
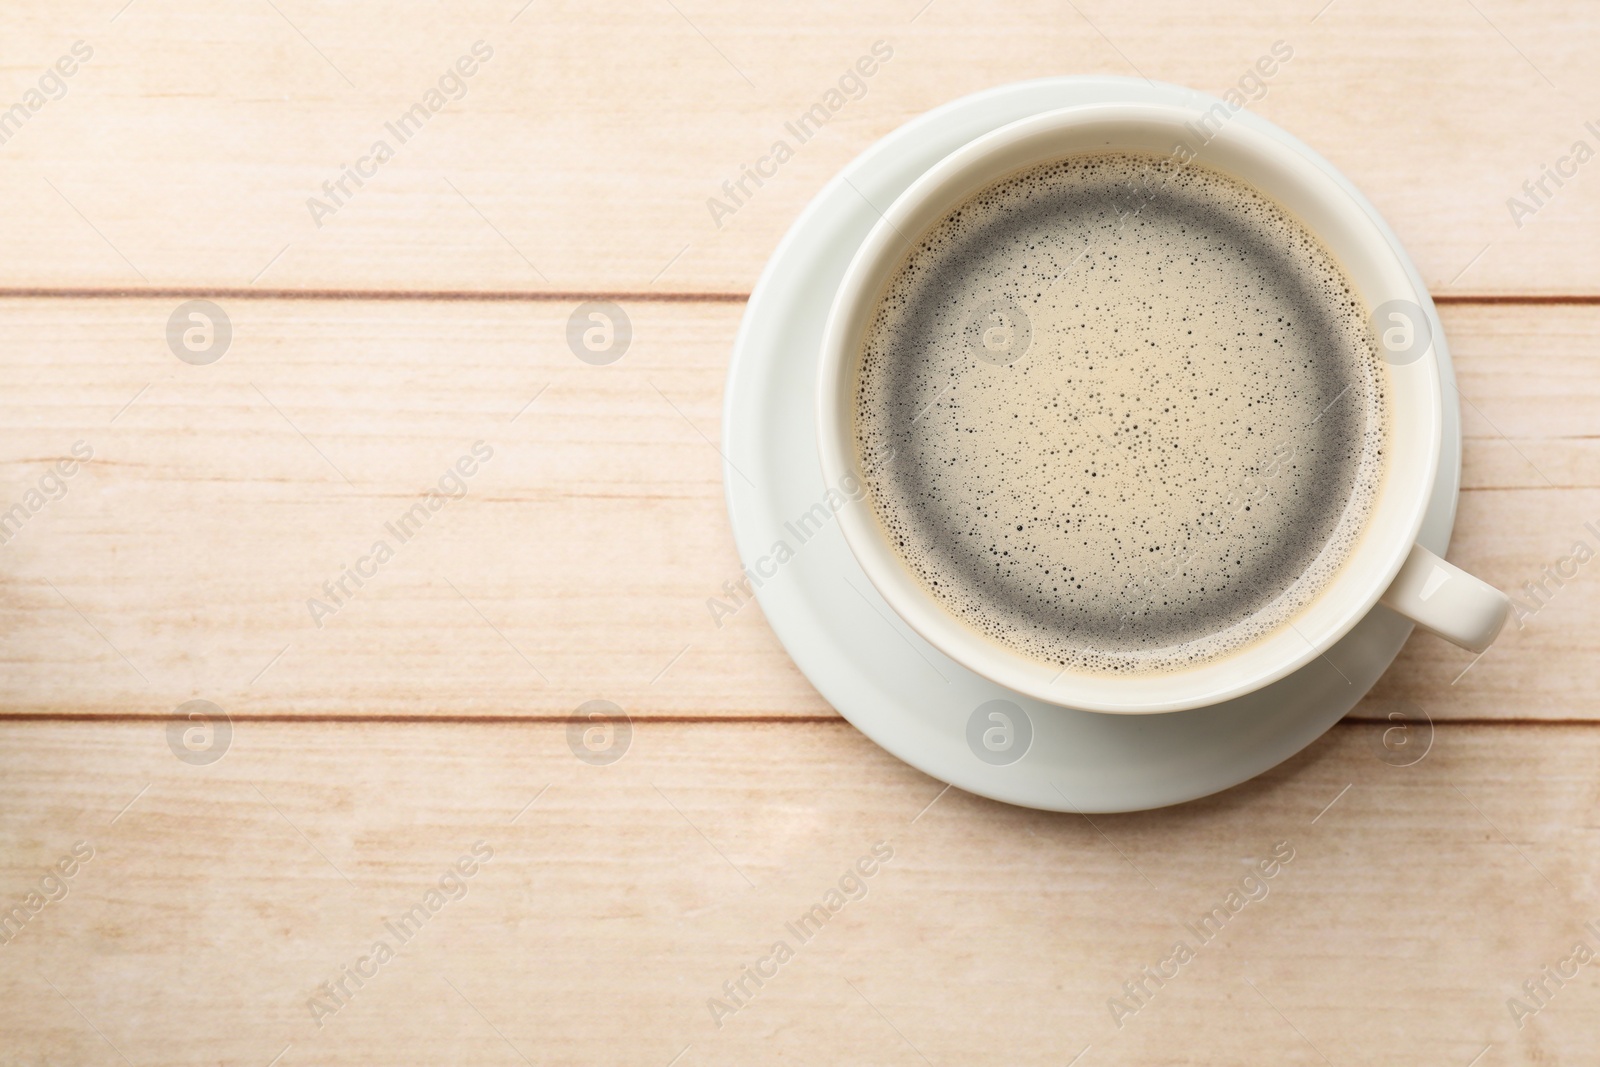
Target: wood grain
428	313
582	156
181	560
619	902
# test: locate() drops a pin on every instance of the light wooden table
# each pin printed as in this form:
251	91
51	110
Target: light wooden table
377	338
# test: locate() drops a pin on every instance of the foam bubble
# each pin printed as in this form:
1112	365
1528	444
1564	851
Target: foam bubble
1136	415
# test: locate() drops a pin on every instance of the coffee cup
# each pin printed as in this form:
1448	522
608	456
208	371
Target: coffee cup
1383	565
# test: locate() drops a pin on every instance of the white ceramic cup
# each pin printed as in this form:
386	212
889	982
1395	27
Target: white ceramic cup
1386	566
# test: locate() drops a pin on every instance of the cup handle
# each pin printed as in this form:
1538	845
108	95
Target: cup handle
1445	600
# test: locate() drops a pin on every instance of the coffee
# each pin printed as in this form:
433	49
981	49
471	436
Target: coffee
1121	414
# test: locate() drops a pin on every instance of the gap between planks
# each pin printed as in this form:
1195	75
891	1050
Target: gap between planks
672	720
567	295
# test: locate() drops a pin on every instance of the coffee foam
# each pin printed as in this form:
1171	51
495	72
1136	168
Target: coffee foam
1133	413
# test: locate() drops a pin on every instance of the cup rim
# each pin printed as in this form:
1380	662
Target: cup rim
1416	400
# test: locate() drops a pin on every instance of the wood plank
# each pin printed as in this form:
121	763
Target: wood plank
181	560
617	904
583	154
1529	383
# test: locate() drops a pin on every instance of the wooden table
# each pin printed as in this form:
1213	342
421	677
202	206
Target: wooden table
396	767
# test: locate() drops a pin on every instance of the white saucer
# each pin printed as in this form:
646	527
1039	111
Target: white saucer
895	687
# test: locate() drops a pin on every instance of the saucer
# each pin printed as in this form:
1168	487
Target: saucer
891	684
